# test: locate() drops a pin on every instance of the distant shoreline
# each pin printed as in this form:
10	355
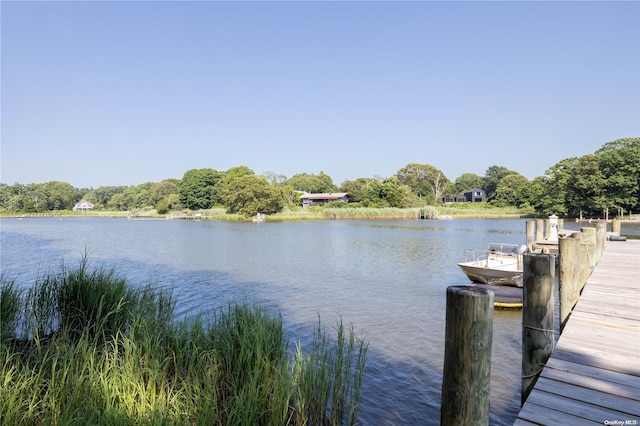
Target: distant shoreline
358	213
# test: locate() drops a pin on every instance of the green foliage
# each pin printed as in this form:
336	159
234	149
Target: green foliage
146	368
10	308
390	192
163	190
326	375
465	182
606	179
321	183
492	178
197	188
508	190
39	197
251	194
425	181
101	196
93	301
223	186
620	165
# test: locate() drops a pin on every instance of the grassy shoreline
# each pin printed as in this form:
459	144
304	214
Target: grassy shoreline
84	347
314	213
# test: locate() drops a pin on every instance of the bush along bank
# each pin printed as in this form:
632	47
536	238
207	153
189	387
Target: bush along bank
84	347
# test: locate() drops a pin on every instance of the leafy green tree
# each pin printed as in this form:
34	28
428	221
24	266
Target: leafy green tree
60	195
359	190
585	189
163	189
369	192
222	187
492	178
12	197
609	178
251	194
395	194
321	183
197	188
118	201
467	181
425	181
138	196
620	165
508	190
553	199
290	196
531	194
36	198
101	196
275	178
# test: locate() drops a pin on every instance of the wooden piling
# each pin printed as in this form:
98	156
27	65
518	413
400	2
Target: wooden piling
539	229
589	240
531	233
467	359
537	317
601	238
574	271
615	227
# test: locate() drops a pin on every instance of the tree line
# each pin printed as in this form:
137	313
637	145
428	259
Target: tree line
607	179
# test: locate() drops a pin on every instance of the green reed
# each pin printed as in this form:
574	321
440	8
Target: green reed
83	347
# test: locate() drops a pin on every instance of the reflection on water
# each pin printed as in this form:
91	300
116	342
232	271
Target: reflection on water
386	278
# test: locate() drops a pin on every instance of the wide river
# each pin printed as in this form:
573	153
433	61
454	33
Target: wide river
387	279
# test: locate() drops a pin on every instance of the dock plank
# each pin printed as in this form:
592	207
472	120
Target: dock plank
589	397
597	373
578	412
593	374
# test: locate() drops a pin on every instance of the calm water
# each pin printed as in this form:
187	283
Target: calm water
386	278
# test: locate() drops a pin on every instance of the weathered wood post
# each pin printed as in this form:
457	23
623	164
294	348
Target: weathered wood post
615	226
531	233
539	229
601	238
537	318
574	273
466	378
589	240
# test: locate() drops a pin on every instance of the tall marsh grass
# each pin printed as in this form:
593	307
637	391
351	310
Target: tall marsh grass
84	347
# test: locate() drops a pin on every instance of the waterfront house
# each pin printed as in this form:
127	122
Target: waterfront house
83	205
475	195
321	199
459	198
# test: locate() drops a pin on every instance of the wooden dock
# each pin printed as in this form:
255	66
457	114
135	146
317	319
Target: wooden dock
593	375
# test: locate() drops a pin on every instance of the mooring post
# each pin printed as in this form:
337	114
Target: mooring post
466	379
574	273
601	238
615	226
589	240
537	317
539	229
531	233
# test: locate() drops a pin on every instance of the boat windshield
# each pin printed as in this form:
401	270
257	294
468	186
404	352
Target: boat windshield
506	249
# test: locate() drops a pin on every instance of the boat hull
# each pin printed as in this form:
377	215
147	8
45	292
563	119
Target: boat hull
479	272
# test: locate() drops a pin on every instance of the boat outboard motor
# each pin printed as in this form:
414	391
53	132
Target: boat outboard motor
521	249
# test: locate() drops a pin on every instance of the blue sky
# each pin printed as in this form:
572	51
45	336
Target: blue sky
122	93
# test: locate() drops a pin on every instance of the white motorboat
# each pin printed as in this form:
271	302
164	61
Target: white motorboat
500	264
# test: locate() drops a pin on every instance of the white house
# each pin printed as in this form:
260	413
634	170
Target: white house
83	205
